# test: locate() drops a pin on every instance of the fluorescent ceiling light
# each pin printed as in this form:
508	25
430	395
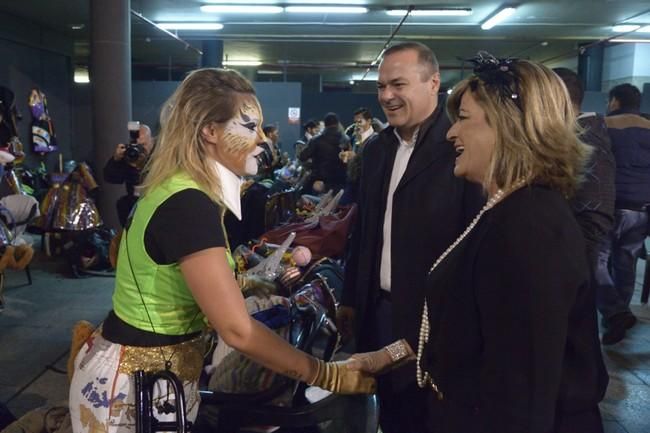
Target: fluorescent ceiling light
269	72
242	2
241	9
275	2
190	26
623	28
327	2
498	17
326	10
81	76
645	29
634	41
242	62
432	12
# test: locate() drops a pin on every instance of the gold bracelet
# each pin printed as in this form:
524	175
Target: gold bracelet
318	368
397	350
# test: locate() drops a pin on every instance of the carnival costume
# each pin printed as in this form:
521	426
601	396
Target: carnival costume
155	319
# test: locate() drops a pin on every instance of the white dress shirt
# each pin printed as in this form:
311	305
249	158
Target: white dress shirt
402	157
365	134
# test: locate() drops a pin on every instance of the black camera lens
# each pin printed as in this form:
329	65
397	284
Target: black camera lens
133	152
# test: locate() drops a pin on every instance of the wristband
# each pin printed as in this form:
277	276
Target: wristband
397	351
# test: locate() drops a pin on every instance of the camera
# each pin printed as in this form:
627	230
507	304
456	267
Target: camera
133	149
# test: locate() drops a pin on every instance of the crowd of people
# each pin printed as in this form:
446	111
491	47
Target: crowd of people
490	231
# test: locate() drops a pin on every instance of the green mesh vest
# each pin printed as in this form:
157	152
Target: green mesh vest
169	301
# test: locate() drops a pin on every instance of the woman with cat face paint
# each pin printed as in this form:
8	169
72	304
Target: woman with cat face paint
175	270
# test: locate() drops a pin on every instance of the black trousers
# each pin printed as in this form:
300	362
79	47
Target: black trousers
403	407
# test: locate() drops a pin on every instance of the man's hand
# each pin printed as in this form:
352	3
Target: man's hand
345	322
118	155
346	155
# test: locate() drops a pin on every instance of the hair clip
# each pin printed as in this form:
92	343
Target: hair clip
497	73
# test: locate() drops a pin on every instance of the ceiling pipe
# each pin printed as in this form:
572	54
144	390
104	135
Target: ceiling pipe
584	48
187	45
390	38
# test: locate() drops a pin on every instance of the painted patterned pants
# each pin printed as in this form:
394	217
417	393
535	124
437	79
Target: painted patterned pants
102	392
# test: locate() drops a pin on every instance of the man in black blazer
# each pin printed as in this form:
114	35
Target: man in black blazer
324	151
411	208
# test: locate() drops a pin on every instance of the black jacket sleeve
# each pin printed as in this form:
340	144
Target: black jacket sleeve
310	150
115	171
354	247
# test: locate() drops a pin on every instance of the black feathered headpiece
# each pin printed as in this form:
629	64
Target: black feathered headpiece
498	74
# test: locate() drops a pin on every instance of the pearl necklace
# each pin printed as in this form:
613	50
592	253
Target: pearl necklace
424	378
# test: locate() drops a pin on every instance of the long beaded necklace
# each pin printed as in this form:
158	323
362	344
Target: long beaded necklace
424	378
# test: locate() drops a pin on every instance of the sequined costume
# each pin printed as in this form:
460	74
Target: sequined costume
68	206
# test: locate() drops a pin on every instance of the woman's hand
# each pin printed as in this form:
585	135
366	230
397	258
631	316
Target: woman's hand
383	360
341	378
210	279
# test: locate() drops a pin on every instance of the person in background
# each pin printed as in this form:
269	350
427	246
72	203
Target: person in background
616	273
175	271
324	150
593	202
272	132
271	146
363	131
311	130
411	207
120	169
363	127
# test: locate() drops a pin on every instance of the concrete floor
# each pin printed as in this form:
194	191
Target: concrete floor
35	335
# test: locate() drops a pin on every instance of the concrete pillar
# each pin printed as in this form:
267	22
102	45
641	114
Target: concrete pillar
110	75
590	67
212	53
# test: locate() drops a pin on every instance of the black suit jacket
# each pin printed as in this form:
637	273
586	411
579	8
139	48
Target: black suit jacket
324	151
430	209
514	341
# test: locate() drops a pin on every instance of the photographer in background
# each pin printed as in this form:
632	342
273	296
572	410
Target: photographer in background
126	164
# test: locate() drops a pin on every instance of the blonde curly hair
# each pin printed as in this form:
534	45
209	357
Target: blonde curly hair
536	133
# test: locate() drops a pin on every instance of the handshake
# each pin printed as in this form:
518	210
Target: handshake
356	374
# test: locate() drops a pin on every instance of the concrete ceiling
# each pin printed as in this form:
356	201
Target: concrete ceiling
340	47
